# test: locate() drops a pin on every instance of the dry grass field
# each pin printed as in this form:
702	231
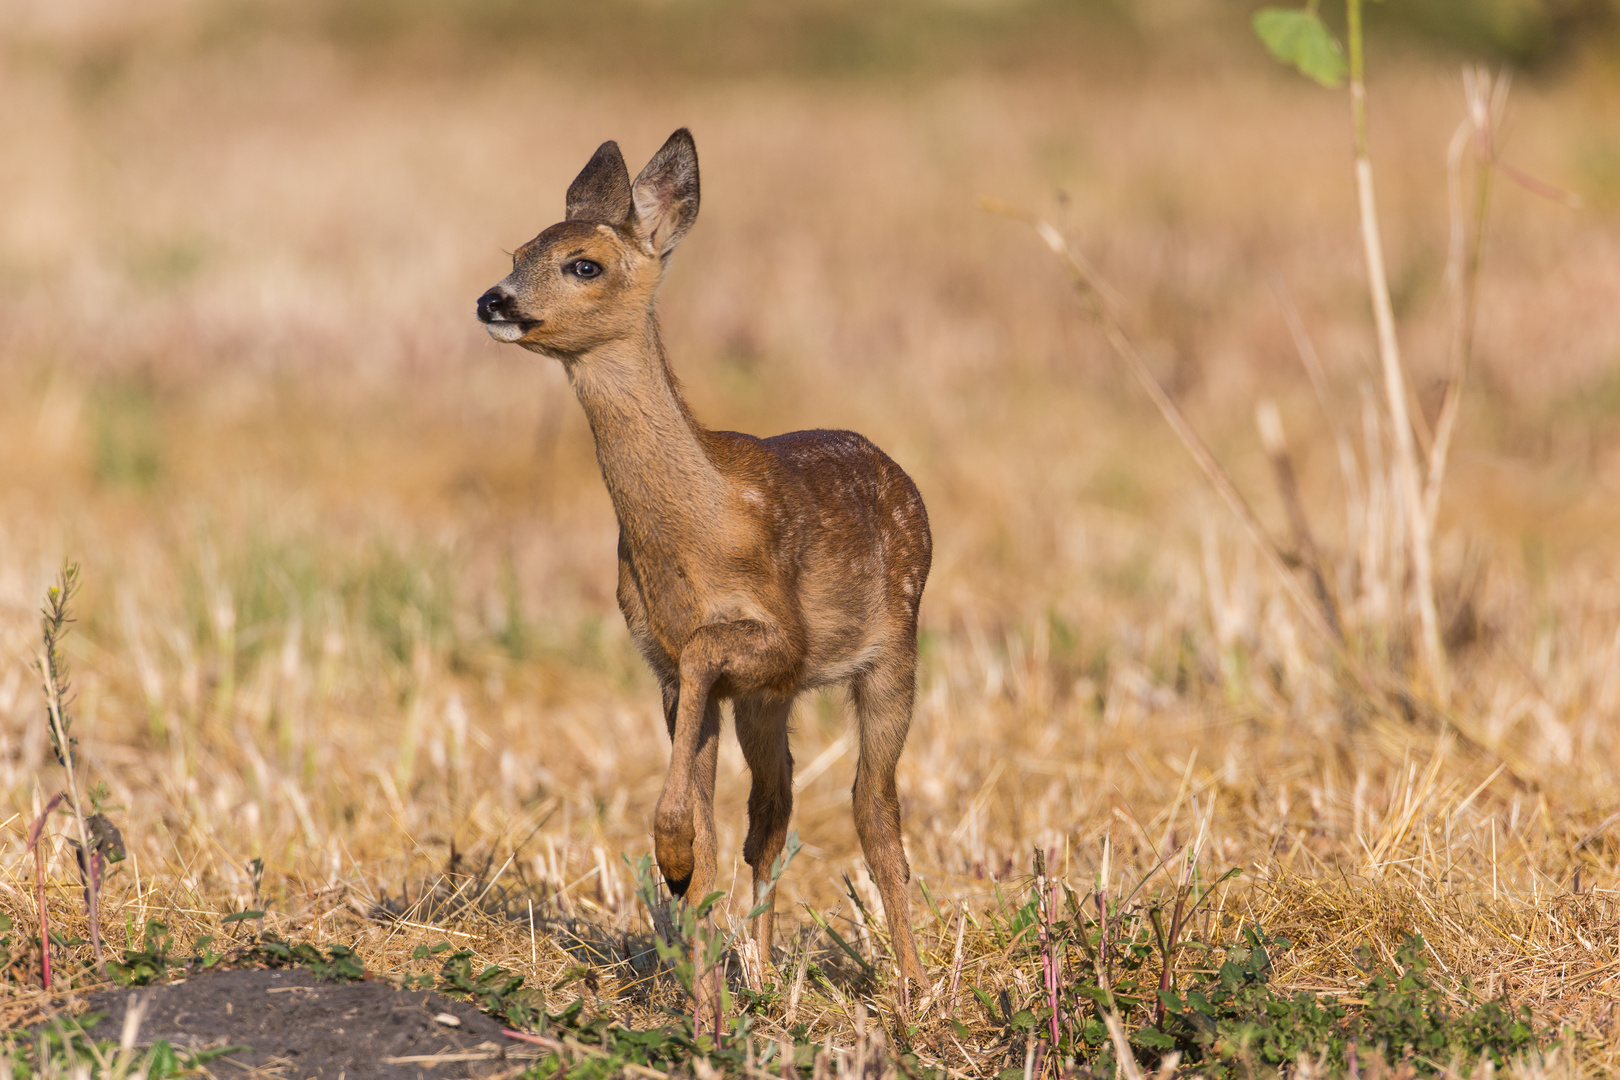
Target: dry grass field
348	565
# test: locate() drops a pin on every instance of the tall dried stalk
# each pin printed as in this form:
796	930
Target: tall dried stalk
1389	354
53	671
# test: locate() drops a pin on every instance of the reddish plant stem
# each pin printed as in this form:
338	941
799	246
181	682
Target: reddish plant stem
1049	954
1170	944
1102	924
712	982
44	920
35	833
719	1005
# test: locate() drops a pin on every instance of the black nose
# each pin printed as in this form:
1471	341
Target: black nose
492	306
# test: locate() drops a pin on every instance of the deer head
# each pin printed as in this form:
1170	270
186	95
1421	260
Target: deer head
592	277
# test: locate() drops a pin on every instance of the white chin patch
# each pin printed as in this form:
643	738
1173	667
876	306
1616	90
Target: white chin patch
504	331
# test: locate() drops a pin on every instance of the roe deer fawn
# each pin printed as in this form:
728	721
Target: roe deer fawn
749	569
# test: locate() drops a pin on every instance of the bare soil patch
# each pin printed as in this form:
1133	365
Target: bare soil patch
298	1027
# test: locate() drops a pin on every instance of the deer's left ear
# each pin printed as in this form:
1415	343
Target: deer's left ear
601	191
666	194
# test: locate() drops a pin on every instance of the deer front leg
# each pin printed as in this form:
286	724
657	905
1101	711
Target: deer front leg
700	807
749	655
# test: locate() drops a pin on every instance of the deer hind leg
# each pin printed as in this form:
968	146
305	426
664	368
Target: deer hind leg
762	729
883	698
688	855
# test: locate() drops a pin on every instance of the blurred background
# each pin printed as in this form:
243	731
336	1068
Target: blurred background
349	564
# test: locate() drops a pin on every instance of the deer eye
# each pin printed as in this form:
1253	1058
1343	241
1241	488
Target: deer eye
584	268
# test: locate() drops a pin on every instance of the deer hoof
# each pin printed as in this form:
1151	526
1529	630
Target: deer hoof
675	858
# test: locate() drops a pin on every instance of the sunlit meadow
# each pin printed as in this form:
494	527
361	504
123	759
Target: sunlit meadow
348	565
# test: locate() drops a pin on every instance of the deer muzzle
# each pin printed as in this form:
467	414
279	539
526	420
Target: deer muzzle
500	318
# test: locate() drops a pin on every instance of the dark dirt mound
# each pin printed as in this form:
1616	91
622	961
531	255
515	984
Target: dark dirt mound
300	1028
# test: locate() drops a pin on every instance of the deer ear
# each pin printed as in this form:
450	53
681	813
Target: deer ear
666	194
601	191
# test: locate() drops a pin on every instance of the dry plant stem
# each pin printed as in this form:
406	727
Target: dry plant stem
1128	1067
1417	522
860	1039
92	900
1351	474
956	964
1464	274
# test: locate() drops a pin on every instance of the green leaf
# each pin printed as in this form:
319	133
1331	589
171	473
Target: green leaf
203	1057
1302	40
708	902
838	938
161	1060
238	916
1153	1039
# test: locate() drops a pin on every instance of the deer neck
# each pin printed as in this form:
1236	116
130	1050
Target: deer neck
649	445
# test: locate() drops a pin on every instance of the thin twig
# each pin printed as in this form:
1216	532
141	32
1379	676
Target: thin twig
1269	421
1464	260
1355	495
1091	288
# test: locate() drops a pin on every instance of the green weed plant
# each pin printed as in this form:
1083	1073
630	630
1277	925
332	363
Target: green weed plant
1222	1017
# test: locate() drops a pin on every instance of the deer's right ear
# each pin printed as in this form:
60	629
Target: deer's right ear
666	194
601	191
